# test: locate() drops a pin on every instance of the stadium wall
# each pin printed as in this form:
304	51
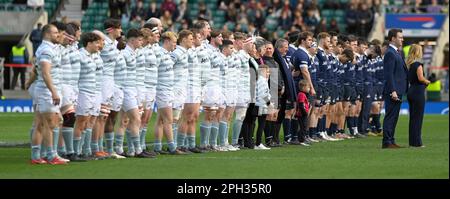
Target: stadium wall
25	106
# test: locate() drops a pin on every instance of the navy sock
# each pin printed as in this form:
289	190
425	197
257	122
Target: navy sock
349	124
286	128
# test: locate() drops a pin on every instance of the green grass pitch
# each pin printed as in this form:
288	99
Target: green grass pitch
356	158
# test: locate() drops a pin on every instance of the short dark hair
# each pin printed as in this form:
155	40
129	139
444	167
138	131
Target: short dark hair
362	41
240	36
200	24
393	33
112	23
89	37
134	33
226	34
226	43
348	53
59	25
333	33
70	30
375	42
184	34
215	33
303	36
352	38
293	36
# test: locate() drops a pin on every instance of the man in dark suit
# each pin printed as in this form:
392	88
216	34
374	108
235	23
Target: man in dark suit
396	76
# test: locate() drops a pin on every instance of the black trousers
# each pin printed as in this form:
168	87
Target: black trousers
7	77
17	72
302	124
390	119
248	125
416	100
260	129
367	99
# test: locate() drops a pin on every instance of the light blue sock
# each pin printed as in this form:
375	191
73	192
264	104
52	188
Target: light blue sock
100	144
61	150
205	130
214	134
171	146
35	152
142	138
191	141
223	128
129	141
175	133
186	143
109	138
94	147
76	145
43	150
118	145
55	138
137	144
87	142
180	139
83	138
236	131
50	153
67	133
157	145
31	133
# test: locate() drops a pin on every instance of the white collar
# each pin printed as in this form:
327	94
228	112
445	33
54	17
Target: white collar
394	47
304	49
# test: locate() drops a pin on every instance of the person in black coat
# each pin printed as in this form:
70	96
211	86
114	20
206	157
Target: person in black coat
288	95
416	95
396	85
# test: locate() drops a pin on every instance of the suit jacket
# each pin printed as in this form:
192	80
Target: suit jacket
289	85
395	72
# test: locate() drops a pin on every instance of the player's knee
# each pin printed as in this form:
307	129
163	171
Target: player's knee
69	120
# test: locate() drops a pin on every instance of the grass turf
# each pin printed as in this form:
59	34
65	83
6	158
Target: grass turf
357	158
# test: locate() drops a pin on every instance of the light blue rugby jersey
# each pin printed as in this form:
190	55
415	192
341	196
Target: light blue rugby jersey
203	56
47	52
130	58
194	68
66	68
217	60
109	55
140	67
98	72
180	67
151	68
165	71
120	71
75	60
87	82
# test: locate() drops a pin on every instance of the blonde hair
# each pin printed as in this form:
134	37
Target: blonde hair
169	36
415	54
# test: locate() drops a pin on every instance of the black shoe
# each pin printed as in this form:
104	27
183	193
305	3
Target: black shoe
144	155
151	153
196	150
177	152
75	158
88	157
162	152
184	149
295	142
